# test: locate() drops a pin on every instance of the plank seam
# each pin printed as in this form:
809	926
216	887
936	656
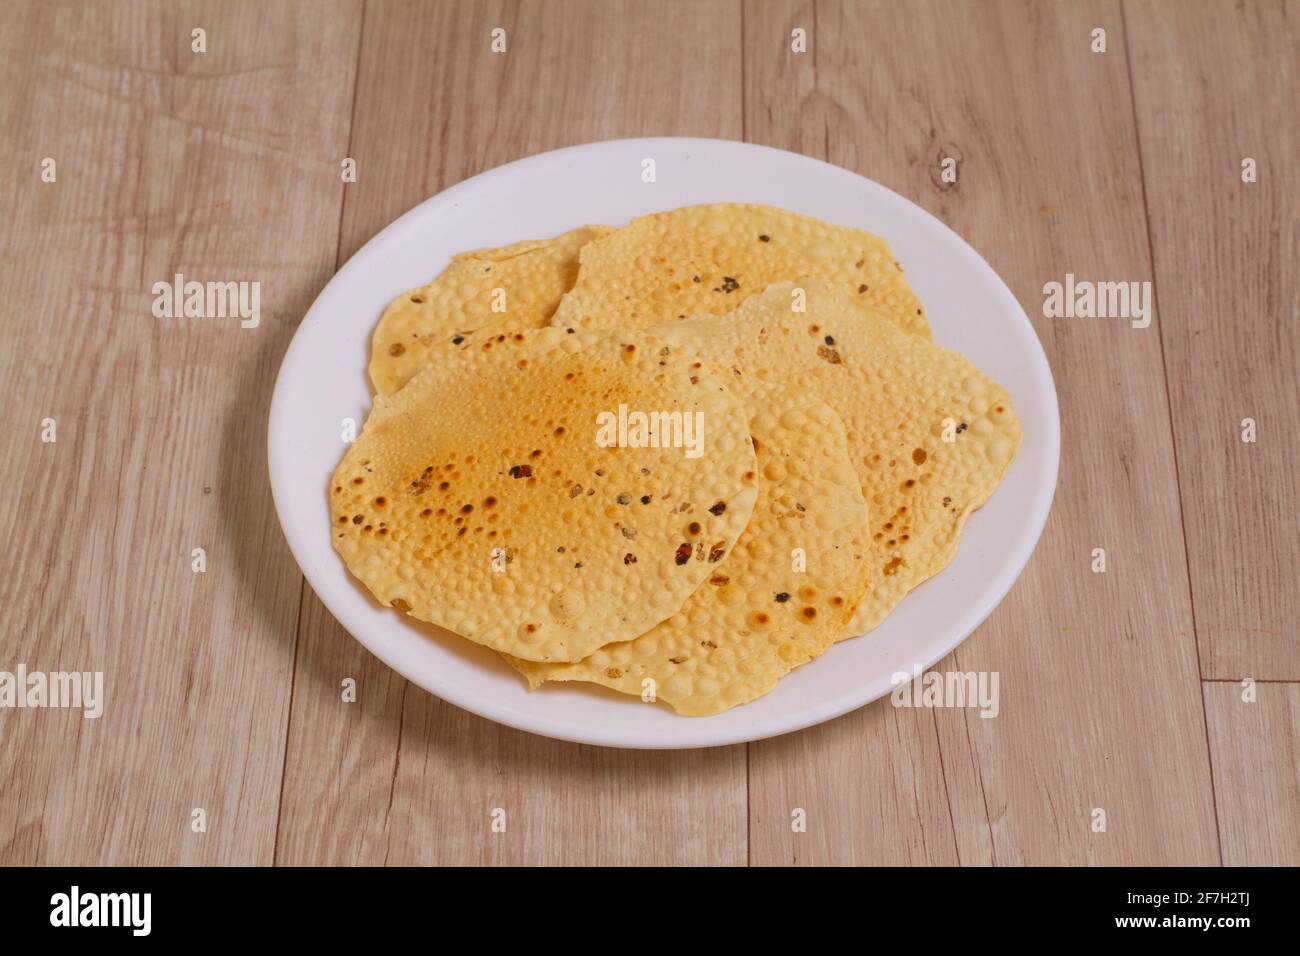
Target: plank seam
943	776
1257	680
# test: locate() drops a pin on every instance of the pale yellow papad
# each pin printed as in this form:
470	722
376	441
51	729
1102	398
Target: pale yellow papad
478	498
708	259
511	288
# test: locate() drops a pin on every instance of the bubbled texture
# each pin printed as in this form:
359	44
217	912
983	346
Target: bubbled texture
757	616
708	259
478	499
531	277
894	392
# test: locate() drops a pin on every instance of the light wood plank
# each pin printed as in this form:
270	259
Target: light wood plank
222	166
1215	83
901	819
1256	751
599	71
1049	183
403	777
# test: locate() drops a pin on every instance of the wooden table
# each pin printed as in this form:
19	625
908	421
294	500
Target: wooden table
1121	691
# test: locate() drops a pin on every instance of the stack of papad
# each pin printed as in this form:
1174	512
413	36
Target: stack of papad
842	452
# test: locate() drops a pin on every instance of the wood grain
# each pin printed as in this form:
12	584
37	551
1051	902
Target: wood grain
1049	182
221	166
422	777
1256	751
223	688
1229	296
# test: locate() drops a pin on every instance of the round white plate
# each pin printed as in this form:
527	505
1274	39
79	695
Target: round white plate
323	381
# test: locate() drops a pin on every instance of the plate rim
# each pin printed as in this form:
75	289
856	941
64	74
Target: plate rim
1025	541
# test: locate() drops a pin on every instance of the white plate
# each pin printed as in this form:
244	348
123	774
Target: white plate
323	381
